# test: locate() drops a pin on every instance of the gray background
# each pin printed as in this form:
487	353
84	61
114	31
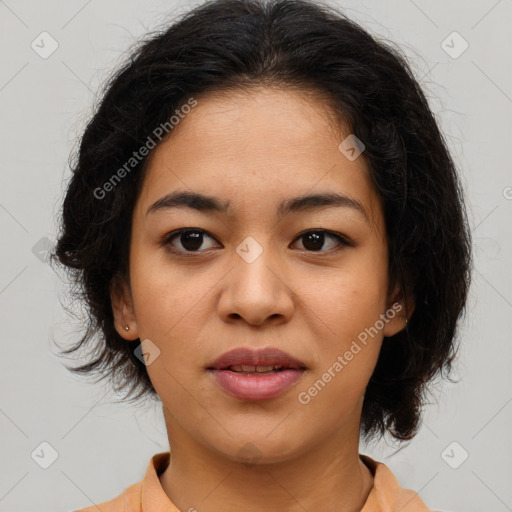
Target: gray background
104	446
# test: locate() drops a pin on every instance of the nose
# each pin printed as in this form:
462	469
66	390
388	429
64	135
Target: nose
257	292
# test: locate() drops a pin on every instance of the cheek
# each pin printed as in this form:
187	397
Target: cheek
348	303
171	307
349	299
346	357
168	298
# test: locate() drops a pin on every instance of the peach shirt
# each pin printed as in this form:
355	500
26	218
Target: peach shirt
148	495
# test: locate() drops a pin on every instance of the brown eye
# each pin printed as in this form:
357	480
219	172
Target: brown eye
314	240
190	240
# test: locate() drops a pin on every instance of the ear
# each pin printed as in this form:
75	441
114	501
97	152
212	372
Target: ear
122	308
400	308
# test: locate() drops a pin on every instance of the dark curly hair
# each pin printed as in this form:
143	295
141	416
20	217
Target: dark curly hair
234	44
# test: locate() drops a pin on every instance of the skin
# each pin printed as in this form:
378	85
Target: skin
255	150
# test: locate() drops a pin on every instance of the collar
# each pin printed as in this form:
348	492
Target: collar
386	494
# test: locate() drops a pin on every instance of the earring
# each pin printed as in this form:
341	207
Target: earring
127	328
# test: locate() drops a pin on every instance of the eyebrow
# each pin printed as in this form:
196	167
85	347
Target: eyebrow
206	203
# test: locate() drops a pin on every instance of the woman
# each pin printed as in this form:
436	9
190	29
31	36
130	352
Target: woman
270	236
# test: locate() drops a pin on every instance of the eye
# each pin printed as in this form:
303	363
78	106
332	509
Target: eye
190	240
315	239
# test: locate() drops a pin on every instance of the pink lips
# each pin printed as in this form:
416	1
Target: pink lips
256	385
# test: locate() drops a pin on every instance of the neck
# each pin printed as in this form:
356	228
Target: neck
329	477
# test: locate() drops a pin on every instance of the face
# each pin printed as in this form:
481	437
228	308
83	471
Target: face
306	277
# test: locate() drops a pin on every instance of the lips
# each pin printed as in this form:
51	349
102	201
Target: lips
261	361
251	375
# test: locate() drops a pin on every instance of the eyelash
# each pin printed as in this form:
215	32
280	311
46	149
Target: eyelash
167	239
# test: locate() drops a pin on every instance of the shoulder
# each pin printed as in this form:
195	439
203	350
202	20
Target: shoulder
127	501
389	495
130	500
410	501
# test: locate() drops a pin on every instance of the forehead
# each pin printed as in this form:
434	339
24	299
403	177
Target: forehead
255	149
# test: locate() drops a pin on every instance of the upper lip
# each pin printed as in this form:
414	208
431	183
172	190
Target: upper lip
256	357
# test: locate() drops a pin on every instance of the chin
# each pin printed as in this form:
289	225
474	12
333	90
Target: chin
260	448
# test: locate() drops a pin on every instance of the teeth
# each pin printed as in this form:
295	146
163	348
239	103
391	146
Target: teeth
262	369
253	369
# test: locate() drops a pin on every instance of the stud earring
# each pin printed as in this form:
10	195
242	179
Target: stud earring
127	328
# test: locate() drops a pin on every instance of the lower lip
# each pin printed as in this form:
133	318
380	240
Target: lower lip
256	386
